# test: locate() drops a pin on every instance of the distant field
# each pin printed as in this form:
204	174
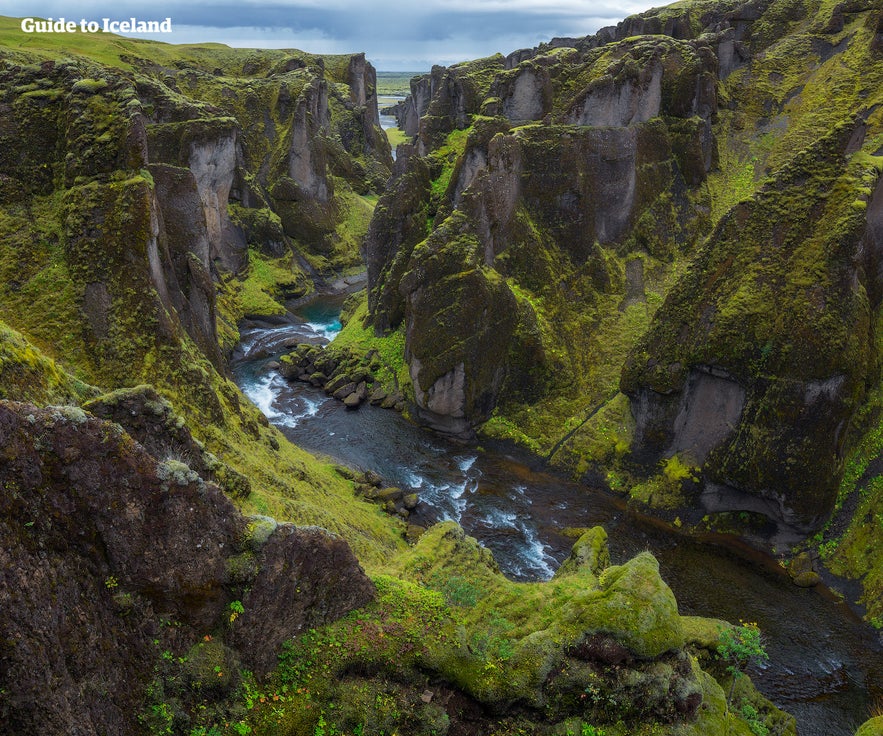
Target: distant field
395	83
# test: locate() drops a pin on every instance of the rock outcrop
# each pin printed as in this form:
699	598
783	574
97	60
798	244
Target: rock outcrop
517	207
111	557
683	208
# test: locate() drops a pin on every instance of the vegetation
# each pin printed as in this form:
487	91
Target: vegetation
498	254
740	647
395	83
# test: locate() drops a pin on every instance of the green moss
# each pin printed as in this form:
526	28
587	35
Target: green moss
396	136
589	554
389	349
873	727
442	162
89	86
267	282
501	642
28	375
258	531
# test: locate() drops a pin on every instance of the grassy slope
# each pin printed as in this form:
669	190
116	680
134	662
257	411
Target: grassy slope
42	289
110	49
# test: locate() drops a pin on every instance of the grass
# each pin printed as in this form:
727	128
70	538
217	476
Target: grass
395	84
396	136
119	51
390	349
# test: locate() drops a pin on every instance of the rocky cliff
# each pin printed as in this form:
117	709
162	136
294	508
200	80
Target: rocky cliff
100	577
652	247
152	195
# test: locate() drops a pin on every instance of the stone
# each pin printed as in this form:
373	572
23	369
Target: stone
336	383
344	391
122	551
801	563
258	531
152	421
410	501
801	571
372	478
589	553
391	494
352	401
807	579
377	396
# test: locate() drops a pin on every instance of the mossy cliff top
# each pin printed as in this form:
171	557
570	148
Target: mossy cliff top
464	649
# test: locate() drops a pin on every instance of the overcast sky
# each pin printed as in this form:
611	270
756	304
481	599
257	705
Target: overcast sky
396	35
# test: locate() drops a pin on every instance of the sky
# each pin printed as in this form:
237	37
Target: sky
396	35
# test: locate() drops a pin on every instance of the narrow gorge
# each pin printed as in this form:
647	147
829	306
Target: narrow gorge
634	274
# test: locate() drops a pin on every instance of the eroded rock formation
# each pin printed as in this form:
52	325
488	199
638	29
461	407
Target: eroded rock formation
111	556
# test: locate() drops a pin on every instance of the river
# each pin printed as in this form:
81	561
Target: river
825	667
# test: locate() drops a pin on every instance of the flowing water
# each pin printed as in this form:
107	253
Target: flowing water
388	121
825	667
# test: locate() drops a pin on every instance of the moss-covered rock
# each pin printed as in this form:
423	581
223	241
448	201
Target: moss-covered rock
873	727
137	552
589	553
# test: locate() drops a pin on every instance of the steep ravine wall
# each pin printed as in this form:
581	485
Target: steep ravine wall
147	202
678	217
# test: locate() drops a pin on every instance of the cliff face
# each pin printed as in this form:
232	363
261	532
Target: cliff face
128	204
144	199
682	209
181	168
532	205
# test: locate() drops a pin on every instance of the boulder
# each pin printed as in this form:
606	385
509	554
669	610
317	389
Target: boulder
590	553
807	579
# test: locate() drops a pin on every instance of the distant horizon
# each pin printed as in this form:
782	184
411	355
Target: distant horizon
395	36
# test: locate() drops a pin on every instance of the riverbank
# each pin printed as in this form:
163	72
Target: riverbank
826	666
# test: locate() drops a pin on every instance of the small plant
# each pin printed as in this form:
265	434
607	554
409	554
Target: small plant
457	590
754	720
741	646
590	730
319	730
110	582
236	610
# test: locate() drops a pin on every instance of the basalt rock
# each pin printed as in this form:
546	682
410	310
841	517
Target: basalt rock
119	543
729	384
151	420
525	206
343	375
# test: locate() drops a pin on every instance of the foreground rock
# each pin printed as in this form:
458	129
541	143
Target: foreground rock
110	557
